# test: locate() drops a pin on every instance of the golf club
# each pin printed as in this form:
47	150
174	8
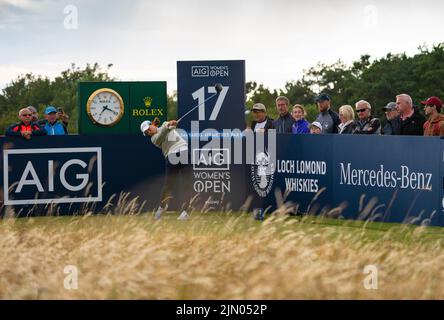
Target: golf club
218	88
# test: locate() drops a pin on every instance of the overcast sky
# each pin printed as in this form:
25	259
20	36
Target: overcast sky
144	39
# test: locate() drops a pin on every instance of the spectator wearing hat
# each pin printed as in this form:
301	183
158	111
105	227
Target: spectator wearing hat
25	128
347	117
434	126
366	123
393	125
285	122
52	124
175	149
327	117
412	122
261	122
315	128
300	125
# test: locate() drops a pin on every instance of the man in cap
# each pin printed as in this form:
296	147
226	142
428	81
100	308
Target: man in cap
52	124
434	126
393	125
315	128
175	149
327	117
261	122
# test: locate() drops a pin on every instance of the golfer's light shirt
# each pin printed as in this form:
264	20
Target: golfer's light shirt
169	140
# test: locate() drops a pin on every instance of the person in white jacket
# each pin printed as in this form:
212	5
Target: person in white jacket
172	143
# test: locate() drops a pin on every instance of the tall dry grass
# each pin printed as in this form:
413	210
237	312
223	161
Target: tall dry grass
216	256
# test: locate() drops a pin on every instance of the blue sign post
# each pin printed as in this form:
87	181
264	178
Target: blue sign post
213	176
195	83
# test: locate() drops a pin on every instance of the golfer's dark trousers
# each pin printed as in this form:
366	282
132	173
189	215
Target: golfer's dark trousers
173	173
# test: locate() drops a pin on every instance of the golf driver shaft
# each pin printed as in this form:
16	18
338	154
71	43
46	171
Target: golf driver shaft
194	108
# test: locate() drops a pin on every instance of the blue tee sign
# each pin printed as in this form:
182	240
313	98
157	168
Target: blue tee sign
195	83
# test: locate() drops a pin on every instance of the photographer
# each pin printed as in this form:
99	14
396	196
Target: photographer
52	124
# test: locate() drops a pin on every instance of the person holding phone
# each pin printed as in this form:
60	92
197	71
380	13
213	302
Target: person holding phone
52	124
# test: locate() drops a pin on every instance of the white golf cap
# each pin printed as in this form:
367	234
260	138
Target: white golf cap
144	126
259	107
316	124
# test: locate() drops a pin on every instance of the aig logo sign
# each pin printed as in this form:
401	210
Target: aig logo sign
210	71
211	159
200	71
59	175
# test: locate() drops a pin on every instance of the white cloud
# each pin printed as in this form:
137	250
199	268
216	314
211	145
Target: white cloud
24	4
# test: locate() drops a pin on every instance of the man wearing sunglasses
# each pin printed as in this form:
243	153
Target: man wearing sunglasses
434	126
25	128
366	124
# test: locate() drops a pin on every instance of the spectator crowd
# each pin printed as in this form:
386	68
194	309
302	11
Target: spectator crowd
402	118
55	123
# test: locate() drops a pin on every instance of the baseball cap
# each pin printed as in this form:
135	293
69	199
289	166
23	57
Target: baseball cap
259	107
144	126
390	106
50	109
433	101
316	124
322	97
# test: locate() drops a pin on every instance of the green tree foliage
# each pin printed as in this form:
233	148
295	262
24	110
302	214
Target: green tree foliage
172	106
40	91
378	82
258	93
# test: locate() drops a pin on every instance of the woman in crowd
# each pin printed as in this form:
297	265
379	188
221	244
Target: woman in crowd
301	125
347	117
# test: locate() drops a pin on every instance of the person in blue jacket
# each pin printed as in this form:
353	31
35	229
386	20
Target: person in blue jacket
301	125
52	124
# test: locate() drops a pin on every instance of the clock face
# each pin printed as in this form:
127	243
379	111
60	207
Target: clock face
105	107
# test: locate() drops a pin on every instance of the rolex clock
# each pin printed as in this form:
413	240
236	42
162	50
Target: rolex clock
119	107
105	107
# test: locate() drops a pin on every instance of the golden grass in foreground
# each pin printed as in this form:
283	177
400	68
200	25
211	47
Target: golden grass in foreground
217	256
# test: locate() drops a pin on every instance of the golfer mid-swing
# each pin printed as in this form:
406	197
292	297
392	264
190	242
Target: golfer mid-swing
172	144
